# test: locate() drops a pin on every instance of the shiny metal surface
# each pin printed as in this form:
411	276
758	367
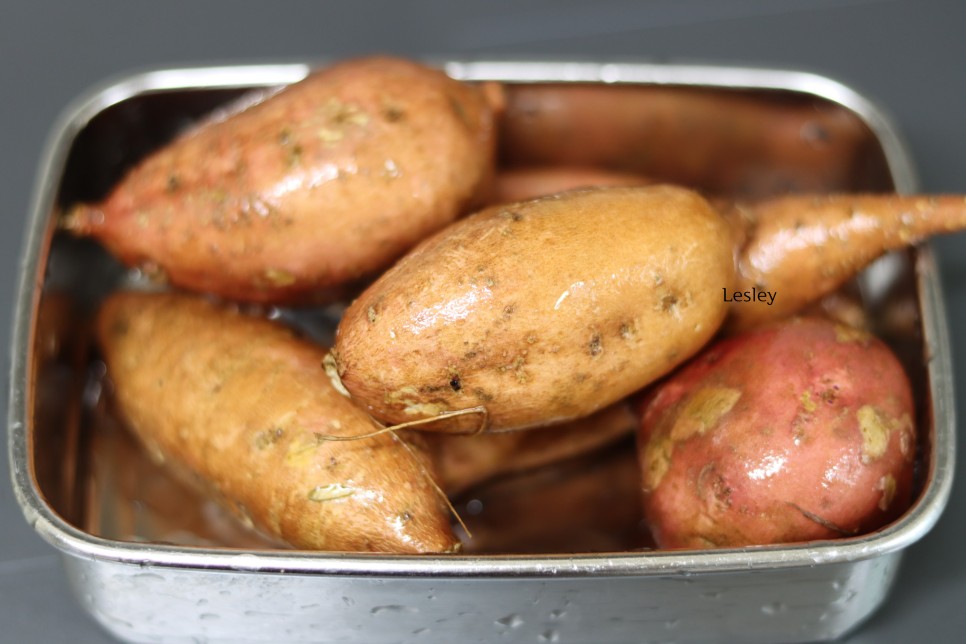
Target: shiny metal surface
151	592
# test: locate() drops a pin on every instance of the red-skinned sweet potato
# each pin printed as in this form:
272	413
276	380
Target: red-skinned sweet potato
793	432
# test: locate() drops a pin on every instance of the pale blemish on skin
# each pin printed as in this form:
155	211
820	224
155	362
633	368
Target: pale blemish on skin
330	492
887	485
875	433
301	450
876	430
700	413
408	398
657	461
567	293
845	334
331	367
703	410
279	277
807	403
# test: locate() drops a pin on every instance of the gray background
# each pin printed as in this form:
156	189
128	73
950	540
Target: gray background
909	55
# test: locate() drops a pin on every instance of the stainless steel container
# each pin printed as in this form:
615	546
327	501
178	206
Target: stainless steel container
150	592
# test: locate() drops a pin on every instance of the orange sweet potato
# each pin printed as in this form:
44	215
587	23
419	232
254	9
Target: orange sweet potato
549	309
587	504
734	144
327	181
794	432
541	311
464	461
242	404
520	184
804	247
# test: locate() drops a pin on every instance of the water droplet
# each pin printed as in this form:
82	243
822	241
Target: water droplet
836	585
393	608
512	620
671	623
147	576
348	601
712	594
208	617
224	592
774	608
201	602
420	631
550	636
558	614
474	507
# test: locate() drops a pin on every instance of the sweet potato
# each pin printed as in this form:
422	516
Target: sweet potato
465	461
541	311
586	504
804	247
327	181
242	404
794	432
546	310
733	144
520	184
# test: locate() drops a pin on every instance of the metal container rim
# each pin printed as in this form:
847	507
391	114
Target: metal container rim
75	542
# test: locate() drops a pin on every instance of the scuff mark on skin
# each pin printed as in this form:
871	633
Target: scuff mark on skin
887	485
702	411
330	492
825	523
807	403
875	433
845	334
657	462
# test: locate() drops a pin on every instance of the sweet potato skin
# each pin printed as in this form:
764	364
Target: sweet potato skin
465	461
242	403
520	184
586	504
803	247
794	432
325	182
726	144
540	311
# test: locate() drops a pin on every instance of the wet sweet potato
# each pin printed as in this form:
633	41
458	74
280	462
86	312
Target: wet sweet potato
327	181
465	461
548	309
587	504
726	143
804	247
242	404
540	311
520	184
794	432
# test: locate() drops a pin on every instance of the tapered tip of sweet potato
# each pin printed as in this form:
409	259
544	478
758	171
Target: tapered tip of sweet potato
80	219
